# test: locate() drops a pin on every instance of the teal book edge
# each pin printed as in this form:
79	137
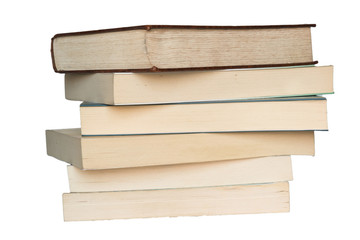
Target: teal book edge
177	133
272	99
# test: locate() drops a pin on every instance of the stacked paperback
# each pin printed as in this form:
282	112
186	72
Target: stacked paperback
186	120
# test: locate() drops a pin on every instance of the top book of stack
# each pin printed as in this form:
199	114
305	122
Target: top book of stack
155	48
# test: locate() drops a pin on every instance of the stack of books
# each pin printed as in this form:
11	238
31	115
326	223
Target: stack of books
186	120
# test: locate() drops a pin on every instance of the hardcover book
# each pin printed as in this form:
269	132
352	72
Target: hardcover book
169	47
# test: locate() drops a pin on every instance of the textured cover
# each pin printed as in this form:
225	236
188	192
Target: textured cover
155	69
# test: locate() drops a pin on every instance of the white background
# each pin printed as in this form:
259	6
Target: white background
324	194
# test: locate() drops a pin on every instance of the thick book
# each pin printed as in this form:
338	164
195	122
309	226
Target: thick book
219	200
106	152
192	86
168	48
266	114
206	174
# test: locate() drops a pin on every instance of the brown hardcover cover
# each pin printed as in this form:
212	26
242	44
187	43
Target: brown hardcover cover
200	27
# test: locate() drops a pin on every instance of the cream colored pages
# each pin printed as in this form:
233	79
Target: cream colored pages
239	199
105	152
218	173
172	87
286	115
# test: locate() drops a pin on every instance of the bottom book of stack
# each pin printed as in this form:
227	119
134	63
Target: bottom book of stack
253	185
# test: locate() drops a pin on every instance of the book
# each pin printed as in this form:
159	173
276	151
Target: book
237	199
266	114
106	152
193	86
206	174
168	48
